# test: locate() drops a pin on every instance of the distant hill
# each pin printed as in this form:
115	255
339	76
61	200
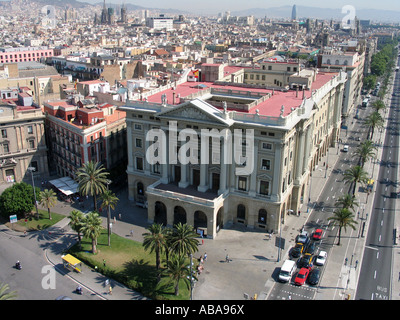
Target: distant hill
319	13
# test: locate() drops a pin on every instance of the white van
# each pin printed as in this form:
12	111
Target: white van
287	269
345	148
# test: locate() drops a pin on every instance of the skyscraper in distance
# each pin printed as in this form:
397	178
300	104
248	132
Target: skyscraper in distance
294	13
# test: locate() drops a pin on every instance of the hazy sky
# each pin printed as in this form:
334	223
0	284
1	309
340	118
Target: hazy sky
215	6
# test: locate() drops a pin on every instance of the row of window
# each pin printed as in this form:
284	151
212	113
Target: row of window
6	146
4	134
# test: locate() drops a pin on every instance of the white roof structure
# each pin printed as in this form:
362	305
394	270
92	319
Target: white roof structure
66	185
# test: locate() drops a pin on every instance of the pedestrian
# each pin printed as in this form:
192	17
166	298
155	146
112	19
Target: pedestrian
205	256
201	259
119	216
104	262
110	290
131	232
106	283
202	242
227	258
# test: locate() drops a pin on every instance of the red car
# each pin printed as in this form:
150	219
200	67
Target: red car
301	276
317	234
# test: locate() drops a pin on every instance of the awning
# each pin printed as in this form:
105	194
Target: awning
66	185
71	260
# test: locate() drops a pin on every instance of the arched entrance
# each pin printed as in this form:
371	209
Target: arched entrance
220	220
179	215
200	219
262	217
241	213
160	214
140	189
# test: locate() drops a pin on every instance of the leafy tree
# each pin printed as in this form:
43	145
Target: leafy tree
155	240
48	199
369	81
4	295
183	240
109	200
18	199
76	222
92	180
91	228
178	270
342	218
355	175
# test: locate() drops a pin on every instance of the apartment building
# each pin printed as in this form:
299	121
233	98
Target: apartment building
292	130
272	72
79	131
353	64
22	139
24	54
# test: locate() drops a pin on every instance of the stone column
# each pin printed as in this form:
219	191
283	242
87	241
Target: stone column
129	143
253	176
203	187
184	179
223	170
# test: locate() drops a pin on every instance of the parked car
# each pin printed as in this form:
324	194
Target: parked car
321	258
311	248
317	235
313	277
345	148
303	238
305	261
297	250
301	276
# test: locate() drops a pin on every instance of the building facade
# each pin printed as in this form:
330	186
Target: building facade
22	140
24	54
291	131
78	133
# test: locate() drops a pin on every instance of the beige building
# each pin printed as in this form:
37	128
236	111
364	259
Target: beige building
292	131
353	64
272	73
22	142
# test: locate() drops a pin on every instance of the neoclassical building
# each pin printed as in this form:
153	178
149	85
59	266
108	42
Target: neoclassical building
22	140
256	167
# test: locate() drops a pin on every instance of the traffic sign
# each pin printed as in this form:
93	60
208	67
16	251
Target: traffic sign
13	218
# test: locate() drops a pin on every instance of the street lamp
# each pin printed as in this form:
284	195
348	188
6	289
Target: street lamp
31	169
108	182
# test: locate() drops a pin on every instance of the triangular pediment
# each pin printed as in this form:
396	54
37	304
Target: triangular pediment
196	111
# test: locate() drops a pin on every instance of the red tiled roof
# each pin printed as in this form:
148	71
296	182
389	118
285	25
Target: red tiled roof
270	107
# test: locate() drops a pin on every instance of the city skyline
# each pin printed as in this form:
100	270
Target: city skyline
214	7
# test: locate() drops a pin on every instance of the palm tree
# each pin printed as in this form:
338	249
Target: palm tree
354	175
109	200
48	199
378	105
92	180
347	201
91	228
76	222
178	270
374	120
183	240
4	295
365	151
155	239
343	218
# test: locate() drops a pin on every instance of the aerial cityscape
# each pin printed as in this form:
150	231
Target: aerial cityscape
214	151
